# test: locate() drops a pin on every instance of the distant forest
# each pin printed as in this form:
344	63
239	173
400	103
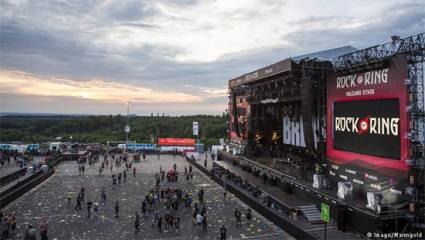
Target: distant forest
38	129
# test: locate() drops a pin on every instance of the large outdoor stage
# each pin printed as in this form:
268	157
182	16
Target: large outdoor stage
344	127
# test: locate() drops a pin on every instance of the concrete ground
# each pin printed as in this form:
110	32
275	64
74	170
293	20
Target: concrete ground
48	200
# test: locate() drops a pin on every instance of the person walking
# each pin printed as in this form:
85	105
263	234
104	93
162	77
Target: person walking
223	232
31	233
248	215
103	196
137	223
134	171
69	195
12	221
117	208
5	226
159	223
238	218
204	223
78	206
201	195
199	220
89	206
177	224
82	191
43	229
144	206
95	207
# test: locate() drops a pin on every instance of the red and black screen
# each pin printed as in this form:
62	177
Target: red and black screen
375	101
368	127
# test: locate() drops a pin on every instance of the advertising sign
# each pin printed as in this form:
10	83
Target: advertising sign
141	146
177	148
195	128
176	141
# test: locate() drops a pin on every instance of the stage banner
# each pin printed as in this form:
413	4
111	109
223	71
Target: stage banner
177	141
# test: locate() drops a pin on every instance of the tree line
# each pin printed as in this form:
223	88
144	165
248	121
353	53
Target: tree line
39	129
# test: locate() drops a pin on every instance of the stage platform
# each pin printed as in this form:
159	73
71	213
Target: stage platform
291	171
287	200
356	217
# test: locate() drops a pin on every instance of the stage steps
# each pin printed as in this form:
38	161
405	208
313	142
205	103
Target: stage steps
310	212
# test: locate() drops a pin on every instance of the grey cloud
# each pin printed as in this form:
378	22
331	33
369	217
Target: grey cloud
24	103
59	49
130	10
138	25
403	20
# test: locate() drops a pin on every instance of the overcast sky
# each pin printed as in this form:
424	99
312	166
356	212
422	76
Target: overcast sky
172	56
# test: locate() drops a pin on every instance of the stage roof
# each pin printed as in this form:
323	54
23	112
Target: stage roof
286	65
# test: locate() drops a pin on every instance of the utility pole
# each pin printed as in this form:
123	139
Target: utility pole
127	126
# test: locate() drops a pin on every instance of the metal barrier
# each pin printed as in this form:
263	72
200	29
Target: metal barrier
24	181
20	188
12	176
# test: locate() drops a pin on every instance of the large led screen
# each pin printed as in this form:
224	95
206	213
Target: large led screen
369	127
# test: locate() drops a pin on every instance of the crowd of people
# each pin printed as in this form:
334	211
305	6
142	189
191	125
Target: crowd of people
162	206
8	228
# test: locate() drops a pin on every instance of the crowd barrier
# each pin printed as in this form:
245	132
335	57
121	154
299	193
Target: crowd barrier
14	192
12	176
271	214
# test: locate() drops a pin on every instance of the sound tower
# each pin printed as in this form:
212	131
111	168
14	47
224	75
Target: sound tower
307	111
235	114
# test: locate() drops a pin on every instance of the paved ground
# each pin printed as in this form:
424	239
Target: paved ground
49	200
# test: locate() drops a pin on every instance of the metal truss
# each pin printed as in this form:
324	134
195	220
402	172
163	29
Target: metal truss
413	48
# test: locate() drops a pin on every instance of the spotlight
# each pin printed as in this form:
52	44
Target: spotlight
410	191
411	162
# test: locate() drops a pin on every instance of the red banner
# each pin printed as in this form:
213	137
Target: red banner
177	141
